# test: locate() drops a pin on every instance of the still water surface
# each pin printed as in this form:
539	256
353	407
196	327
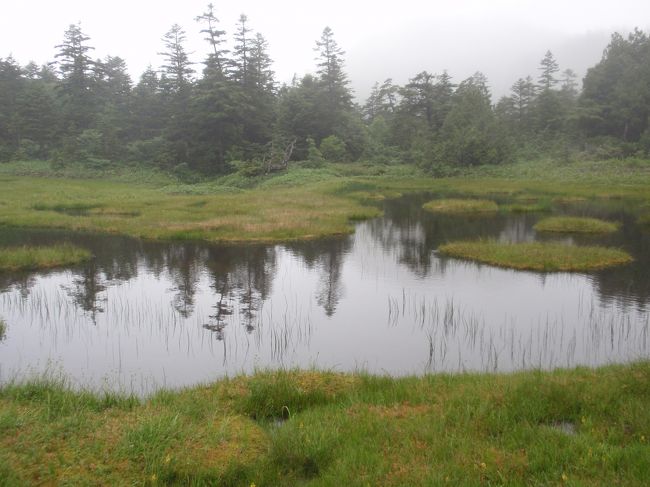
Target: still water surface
143	315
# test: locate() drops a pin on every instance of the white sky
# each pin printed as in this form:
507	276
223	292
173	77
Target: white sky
503	38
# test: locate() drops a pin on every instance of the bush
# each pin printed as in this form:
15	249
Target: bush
314	156
333	149
146	151
248	169
28	150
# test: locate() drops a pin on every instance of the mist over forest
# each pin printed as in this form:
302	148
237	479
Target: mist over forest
230	113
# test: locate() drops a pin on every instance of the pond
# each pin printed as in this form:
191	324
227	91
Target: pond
144	315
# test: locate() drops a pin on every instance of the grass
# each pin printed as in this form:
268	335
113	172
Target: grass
455	206
571	224
573	427
537	256
30	258
3	329
301	203
147	211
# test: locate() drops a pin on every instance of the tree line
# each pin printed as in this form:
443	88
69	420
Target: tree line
233	115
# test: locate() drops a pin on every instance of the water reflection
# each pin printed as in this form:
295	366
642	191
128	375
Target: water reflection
381	299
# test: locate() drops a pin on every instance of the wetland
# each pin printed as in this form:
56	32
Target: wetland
143	315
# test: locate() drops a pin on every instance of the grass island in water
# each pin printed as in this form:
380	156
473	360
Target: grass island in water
572	224
537	256
464	206
32	258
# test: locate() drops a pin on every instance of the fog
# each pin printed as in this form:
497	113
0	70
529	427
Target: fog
505	39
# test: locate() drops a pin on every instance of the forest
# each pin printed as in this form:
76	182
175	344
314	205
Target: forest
231	115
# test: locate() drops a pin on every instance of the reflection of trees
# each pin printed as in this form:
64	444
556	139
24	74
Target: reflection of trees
629	284
86	288
241	275
22	282
328	255
330	286
412	233
184	262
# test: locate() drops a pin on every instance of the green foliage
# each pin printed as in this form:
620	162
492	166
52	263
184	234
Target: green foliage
89	112
333	149
616	96
314	155
248	169
470	134
148	151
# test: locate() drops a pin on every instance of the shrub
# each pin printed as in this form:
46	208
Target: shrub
333	149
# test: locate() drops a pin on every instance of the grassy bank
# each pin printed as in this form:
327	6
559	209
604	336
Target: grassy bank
576	427
461	206
569	224
156	212
537	256
297	204
30	258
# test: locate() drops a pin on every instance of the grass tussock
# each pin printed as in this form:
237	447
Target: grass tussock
31	258
581	427
571	224
453	206
537	256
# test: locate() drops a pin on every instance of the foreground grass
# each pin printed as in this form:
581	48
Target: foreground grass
571	224
464	206
29	258
573	427
537	256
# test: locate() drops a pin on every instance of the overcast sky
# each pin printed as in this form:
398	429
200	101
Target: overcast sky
505	39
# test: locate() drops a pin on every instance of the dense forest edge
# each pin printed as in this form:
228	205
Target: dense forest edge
230	115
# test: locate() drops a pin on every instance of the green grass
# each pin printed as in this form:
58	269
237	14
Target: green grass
149	211
456	206
571	224
567	427
537	256
301	203
3	329
30	258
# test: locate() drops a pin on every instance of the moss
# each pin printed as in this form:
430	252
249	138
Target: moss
570	224
452	206
538	256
